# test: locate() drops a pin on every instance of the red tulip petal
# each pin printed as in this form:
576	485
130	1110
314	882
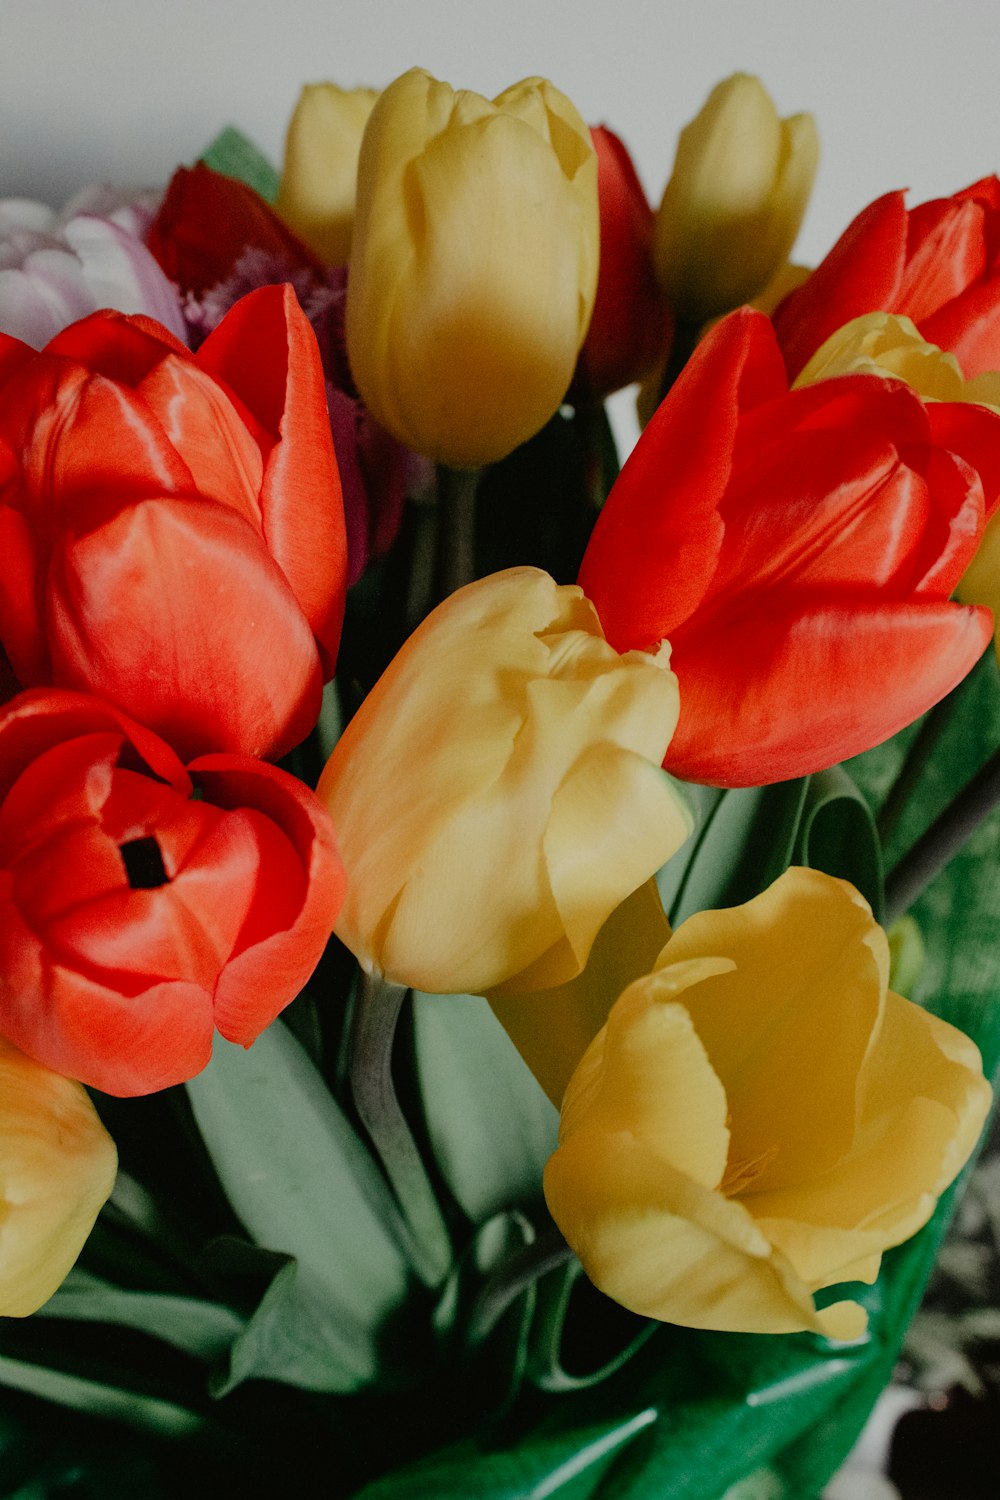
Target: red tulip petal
861	274
174	610
946	251
751	713
265	350
283	944
973	432
206	222
123	347
21	601
59	793
36	720
121	1044
205	428
969	327
664	503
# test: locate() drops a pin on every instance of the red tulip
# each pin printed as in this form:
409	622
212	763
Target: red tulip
171	523
938	264
137	916
797	548
632	322
218	240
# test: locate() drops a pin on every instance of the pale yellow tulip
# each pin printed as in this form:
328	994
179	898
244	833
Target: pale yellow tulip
499	792
473	264
57	1169
319	178
735	199
761	1118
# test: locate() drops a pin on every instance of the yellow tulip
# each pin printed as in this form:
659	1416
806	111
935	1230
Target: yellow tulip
499	792
761	1118
57	1168
887	345
320	174
473	265
735	199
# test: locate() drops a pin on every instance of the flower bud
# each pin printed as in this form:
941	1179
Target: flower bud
735	199
473	265
57	1168
319	180
498	793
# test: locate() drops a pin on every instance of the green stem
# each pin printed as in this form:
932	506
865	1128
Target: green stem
373	1031
456	562
942	840
547	1253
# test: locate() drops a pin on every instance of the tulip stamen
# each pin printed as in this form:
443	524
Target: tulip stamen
740	1176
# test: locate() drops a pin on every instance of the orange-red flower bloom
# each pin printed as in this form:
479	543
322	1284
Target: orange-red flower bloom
171	524
632	322
136	917
938	264
797	548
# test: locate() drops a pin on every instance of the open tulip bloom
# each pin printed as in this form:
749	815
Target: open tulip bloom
346	1133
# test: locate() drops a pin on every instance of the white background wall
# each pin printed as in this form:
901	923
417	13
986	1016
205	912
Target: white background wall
906	92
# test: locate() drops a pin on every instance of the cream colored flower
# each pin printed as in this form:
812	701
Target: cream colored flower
57	1169
319	179
473	265
499	792
761	1118
735	199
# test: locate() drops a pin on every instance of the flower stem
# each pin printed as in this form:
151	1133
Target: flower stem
547	1253
373	1031
456	563
942	840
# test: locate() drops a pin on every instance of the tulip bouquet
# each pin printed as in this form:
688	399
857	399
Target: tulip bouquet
498	974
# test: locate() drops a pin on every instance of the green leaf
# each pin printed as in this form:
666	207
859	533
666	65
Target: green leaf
837	835
232	154
580	1337
744	841
203	1329
490	1124
300	1180
100	1399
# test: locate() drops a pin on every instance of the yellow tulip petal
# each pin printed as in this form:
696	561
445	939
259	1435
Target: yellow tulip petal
318	185
506	750
553	1028
57	1168
806	948
666	1246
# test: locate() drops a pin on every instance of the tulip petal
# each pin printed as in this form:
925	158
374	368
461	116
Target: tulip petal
969	326
946	250
750	713
792	1097
265	351
669	1248
123	1044
243	671
57	1168
861	274
296	902
665	501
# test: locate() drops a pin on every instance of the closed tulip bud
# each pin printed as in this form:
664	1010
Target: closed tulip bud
735	199
473	265
57	1168
319	179
761	1118
498	793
